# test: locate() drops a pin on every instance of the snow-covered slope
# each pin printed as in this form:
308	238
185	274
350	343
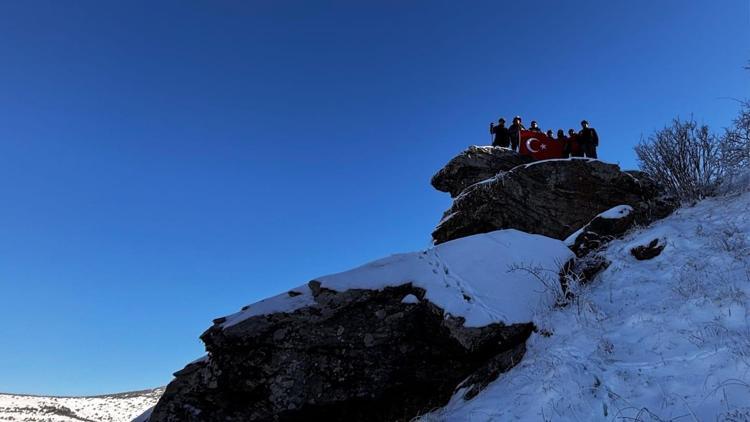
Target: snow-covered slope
661	340
121	407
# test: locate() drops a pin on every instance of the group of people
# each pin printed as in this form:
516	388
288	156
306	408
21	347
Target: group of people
576	144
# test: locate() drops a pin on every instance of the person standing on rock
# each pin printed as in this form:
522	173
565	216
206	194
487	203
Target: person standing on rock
502	135
563	140
588	140
535	127
574	148
515	132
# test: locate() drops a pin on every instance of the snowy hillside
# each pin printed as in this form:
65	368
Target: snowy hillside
657	340
109	408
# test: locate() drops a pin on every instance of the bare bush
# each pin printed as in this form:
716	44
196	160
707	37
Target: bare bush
736	141
683	157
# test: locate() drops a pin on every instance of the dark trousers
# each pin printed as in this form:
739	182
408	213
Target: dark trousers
589	150
501	143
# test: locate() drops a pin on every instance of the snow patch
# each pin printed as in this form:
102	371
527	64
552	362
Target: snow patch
290	301
571	240
616	212
410	298
468	277
611	214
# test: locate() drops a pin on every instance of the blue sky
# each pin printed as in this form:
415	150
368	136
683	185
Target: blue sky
165	163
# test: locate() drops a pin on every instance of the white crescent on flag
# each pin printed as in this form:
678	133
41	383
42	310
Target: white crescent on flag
528	144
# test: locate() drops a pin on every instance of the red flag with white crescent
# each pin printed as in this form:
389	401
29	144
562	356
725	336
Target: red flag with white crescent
539	146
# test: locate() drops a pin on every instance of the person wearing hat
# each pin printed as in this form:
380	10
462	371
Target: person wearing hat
515	132
535	127
588	139
502	135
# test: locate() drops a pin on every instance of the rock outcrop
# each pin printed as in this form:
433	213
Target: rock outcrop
605	227
398	337
553	198
589	240
649	251
386	341
473	165
362	355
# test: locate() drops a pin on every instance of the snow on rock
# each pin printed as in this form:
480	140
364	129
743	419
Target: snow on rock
285	302
402	332
467	278
657	340
410	298
608	225
571	240
616	212
121	407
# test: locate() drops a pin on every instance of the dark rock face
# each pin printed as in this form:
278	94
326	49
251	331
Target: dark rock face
355	355
553	198
650	251
601	230
474	165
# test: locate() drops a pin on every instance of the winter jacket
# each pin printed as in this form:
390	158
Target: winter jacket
588	136
502	136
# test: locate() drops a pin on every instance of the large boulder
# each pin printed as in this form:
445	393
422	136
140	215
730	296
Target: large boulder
473	165
383	342
553	198
360	355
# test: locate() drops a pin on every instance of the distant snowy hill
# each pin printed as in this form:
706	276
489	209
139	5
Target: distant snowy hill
665	339
122	407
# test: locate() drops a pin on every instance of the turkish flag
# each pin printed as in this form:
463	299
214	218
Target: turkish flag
539	146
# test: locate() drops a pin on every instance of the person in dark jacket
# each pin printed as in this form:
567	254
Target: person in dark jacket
515	132
534	126
502	136
588	139
574	148
564	142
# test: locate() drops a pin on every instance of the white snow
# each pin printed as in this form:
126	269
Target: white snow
280	303
109	408
666	339
612	213
410	298
468	277
571	240
616	212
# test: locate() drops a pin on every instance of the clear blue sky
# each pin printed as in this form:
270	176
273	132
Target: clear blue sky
165	163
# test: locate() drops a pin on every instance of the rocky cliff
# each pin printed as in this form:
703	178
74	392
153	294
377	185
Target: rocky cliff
400	336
